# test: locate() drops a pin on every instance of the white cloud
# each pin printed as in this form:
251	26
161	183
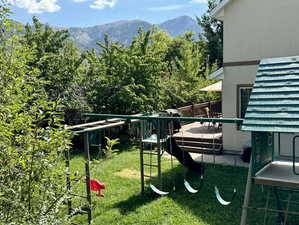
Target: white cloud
99	4
198	1
35	6
168	7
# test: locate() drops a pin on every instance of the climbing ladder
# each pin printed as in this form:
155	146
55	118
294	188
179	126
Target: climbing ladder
149	163
152	139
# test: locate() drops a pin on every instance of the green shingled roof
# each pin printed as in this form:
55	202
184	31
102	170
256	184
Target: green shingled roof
274	100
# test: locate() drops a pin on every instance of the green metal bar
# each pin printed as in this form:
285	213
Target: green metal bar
294	155
87	173
159	152
141	159
279	144
190	119
68	179
280	217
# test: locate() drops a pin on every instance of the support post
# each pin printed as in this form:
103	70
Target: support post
280	216
247	194
141	158
87	174
68	180
141	169
159	151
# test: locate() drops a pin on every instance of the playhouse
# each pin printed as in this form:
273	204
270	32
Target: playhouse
273	110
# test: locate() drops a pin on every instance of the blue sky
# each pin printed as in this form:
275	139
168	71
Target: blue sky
82	13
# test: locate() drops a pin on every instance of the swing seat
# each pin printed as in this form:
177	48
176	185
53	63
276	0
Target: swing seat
221	200
157	191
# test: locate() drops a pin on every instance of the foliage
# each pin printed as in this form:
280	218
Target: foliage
125	79
213	35
188	72
42	74
110	146
57	59
32	140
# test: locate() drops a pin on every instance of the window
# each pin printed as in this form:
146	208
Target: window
243	95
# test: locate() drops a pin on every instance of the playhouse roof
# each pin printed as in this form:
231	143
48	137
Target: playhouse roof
274	101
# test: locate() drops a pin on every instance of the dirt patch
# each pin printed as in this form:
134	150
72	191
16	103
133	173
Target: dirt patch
128	173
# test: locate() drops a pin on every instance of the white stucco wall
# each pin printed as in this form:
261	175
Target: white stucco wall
233	139
256	29
253	30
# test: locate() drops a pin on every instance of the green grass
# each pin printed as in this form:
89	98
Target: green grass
123	204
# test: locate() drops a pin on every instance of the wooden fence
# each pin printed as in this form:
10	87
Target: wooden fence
200	110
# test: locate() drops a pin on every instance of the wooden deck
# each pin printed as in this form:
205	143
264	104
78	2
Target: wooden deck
200	131
200	138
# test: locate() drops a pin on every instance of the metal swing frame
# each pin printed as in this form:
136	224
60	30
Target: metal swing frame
166	118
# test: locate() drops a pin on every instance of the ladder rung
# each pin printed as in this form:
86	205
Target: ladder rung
145	164
150	153
147	176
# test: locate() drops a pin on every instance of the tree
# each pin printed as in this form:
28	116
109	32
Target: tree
212	35
57	59
125	79
32	140
187	66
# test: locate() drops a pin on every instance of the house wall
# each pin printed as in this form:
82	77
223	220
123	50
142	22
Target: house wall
253	30
233	138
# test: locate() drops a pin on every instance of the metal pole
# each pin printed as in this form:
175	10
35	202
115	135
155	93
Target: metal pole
68	180
141	157
87	174
159	150
247	195
280	217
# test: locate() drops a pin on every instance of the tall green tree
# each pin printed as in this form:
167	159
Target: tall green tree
32	140
213	35
125	79
57	59
187	66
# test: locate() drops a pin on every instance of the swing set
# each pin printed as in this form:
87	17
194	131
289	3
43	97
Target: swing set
156	132
156	137
164	141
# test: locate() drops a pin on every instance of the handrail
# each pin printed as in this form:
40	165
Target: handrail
191	119
294	155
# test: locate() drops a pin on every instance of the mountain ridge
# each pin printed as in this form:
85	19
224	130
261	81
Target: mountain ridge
124	31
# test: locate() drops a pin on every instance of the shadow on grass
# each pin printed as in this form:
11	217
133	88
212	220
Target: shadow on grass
202	204
134	202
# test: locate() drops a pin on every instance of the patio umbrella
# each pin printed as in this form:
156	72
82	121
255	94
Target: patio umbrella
217	87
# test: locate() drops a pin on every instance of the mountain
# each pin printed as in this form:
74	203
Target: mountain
180	25
125	30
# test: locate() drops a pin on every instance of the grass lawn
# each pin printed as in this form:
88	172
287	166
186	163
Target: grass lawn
123	204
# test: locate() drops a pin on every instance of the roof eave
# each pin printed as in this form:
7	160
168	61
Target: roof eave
218	11
217	75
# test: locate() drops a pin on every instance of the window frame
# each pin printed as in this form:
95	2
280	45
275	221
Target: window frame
239	87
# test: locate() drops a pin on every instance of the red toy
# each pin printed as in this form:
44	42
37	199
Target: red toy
95	185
